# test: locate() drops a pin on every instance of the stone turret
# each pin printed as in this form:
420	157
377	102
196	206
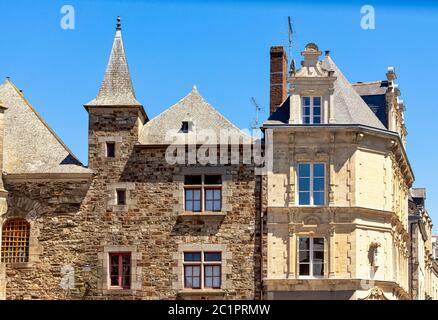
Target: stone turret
115	115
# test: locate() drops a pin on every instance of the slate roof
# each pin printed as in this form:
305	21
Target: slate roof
30	145
192	108
371	88
349	107
116	88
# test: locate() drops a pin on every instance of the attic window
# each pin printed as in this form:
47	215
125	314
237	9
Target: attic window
186	126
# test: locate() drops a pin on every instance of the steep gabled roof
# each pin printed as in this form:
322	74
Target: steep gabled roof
116	88
349	107
192	108
30	145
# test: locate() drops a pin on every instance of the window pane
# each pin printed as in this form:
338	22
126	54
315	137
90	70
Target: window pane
217	206
196	282
306	101
192	256
214	179
196	271
306	120
216	271
212	256
208	271
304	170
197	205
318	269
316	111
304	256
191	180
209	194
318	256
189	194
306	111
188	282
197	194
316	101
318	198
209	205
304	269
209	282
114	281
318	244
217	194
319	170
316	120
318	184
189	205
216	282
304	243
304	198
304	184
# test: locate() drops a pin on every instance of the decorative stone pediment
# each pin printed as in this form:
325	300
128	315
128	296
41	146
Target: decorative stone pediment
375	294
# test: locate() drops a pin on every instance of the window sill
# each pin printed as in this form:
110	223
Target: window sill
201	292
18	265
118	291
203	214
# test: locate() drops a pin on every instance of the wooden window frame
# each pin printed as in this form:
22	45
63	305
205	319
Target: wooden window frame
15	241
202	264
203	187
120	256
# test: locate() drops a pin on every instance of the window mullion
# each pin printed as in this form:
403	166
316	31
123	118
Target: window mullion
311	109
311	185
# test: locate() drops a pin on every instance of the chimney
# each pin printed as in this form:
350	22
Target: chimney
278	78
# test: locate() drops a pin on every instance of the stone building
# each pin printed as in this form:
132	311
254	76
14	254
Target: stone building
133	224
423	268
170	208
337	196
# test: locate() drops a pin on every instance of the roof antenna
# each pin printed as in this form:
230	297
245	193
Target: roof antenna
291	32
255	125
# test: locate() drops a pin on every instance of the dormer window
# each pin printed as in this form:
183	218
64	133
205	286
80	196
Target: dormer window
186	126
311	110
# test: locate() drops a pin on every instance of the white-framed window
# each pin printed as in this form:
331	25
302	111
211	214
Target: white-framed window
311	110
311	184
311	257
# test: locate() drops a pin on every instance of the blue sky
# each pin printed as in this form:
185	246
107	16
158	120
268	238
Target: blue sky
223	48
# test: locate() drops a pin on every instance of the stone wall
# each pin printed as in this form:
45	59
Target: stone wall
51	207
156	228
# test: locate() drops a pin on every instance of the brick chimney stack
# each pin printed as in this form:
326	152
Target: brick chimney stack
278	78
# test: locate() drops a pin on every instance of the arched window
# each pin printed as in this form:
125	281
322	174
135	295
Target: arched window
15	241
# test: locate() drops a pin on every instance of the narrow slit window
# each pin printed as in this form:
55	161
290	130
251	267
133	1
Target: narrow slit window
111	149
121	197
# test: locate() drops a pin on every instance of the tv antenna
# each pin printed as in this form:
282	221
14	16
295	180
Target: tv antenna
291	32
256	125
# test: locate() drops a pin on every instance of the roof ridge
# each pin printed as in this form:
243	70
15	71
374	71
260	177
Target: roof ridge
21	95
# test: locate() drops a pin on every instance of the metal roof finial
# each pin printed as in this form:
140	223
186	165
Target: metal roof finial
119	25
